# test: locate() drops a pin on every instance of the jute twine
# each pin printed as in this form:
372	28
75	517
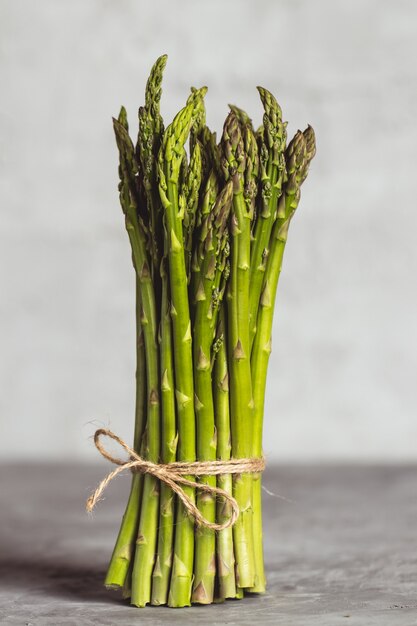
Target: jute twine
173	475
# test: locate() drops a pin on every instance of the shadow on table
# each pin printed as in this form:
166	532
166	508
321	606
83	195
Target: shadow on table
59	580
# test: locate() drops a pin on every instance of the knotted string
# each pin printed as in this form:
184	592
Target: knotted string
173	475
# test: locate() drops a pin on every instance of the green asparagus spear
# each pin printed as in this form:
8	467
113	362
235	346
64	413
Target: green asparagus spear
224	540
234	163
146	540
212	253
272	146
151	129
272	172
123	551
163	564
297	160
169	160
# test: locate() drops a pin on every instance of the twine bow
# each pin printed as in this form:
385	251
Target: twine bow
173	475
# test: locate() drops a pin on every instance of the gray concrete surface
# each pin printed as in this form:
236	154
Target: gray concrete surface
340	550
345	339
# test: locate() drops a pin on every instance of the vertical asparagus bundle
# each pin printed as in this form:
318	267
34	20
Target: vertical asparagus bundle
208	225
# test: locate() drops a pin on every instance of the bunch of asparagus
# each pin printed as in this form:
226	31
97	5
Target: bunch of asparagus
208	227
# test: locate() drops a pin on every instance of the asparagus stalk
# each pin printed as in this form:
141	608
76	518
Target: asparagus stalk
151	129
241	401
147	147
163	564
213	251
169	160
123	550
146	539
162	570
272	164
224	543
272	171
297	158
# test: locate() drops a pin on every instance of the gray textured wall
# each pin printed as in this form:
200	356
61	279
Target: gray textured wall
342	380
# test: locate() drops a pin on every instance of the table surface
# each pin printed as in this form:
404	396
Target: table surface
340	549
